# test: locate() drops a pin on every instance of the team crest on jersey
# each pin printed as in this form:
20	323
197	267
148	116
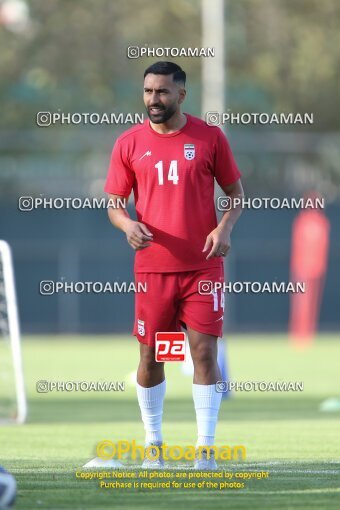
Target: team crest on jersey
189	151
141	327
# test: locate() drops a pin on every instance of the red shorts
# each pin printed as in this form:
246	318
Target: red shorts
173	300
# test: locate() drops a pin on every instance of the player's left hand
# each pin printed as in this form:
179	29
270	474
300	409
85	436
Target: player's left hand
219	243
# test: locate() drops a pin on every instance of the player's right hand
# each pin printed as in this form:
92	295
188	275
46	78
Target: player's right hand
138	235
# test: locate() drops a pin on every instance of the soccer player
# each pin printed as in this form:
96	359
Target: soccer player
171	162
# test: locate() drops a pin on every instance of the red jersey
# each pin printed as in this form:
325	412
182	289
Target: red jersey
172	177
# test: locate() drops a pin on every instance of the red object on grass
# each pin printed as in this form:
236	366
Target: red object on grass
309	257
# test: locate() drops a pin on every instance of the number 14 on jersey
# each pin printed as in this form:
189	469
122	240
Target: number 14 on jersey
172	172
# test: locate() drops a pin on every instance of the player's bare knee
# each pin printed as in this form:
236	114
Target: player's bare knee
204	355
147	359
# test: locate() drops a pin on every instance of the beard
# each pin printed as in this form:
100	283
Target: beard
163	115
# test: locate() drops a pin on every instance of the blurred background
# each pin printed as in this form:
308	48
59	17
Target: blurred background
71	57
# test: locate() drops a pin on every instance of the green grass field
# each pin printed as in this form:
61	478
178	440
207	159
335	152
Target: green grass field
284	433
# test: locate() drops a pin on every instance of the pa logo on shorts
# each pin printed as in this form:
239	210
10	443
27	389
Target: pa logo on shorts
189	151
141	327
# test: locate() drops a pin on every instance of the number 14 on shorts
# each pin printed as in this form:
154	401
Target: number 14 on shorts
170	346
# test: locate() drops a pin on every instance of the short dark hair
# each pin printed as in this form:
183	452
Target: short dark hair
167	68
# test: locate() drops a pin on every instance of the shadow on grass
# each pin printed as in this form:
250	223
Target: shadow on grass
175	410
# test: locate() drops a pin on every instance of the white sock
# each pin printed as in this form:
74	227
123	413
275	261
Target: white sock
207	404
151	406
